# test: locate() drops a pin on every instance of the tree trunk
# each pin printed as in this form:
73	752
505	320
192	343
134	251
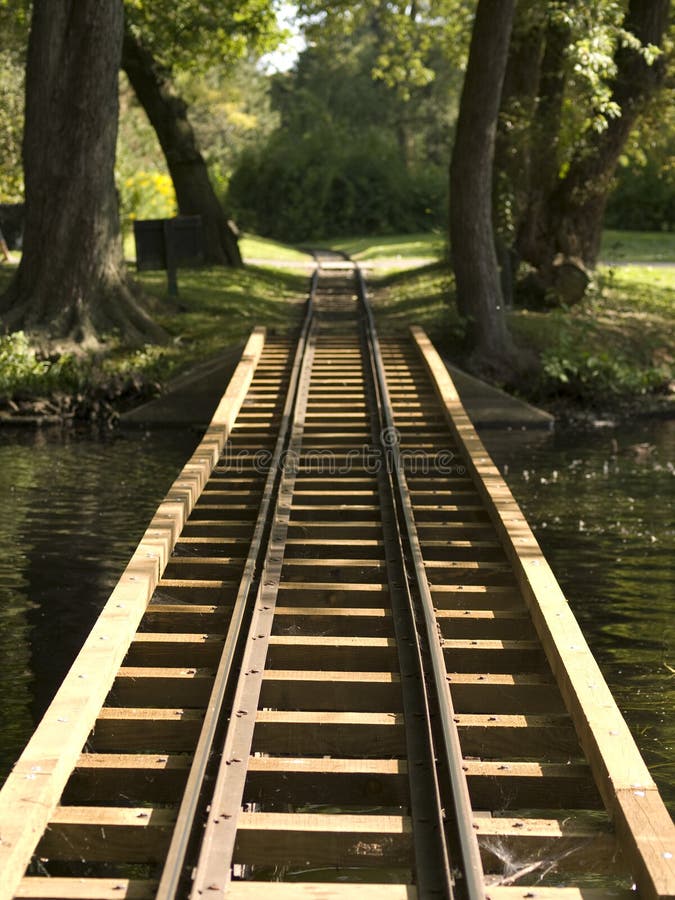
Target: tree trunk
577	206
72	284
544	139
471	232
512	160
561	230
167	113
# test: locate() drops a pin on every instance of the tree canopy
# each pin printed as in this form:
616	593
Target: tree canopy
357	136
578	80
366	117
193	36
71	284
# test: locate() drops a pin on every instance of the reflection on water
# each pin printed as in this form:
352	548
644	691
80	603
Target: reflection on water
73	508
601	505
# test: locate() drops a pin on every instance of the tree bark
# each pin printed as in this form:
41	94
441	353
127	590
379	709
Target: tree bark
544	161
72	284
512	159
479	294
561	229
577	206
167	113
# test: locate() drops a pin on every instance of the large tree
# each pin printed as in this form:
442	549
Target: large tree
72	285
479	294
577	204
168	114
161	38
592	70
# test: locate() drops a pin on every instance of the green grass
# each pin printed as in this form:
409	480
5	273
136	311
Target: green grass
428	245
421	297
618	342
216	308
638	246
253	247
617	246
618	345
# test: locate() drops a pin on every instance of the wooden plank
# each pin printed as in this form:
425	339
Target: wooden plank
546	892
320	563
210	568
107	834
504	693
645	830
307	890
101	778
364	622
515	737
181	617
604	735
493	655
377	734
316	839
499	785
41	888
475	596
32	790
339	653
175	687
297	781
484	624
122	729
156	648
298	593
223	587
340	546
236	530
331	690
573	845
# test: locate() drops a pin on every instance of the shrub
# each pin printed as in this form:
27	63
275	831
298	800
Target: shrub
147	195
329	183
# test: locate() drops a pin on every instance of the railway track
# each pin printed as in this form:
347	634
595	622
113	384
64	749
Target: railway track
337	666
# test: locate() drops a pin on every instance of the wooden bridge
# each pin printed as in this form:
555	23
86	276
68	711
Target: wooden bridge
336	666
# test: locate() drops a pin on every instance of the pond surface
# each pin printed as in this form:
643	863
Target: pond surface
73	507
601	506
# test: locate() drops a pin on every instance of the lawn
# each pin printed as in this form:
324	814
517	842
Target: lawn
257	248
215	309
429	245
638	246
618	342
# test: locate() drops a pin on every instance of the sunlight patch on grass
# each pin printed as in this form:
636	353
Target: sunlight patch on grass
254	247
402	246
637	246
218	307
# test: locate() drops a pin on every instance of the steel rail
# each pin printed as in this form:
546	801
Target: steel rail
434	875
254	609
472	869
213	870
173	872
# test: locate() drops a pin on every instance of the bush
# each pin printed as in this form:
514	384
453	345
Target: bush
147	195
643	200
328	184
24	372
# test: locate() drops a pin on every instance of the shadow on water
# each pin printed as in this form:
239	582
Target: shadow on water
601	505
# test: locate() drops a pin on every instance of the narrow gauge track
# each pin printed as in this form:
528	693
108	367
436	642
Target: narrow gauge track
355	677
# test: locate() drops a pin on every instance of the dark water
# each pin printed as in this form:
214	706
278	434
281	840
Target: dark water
73	508
601	505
